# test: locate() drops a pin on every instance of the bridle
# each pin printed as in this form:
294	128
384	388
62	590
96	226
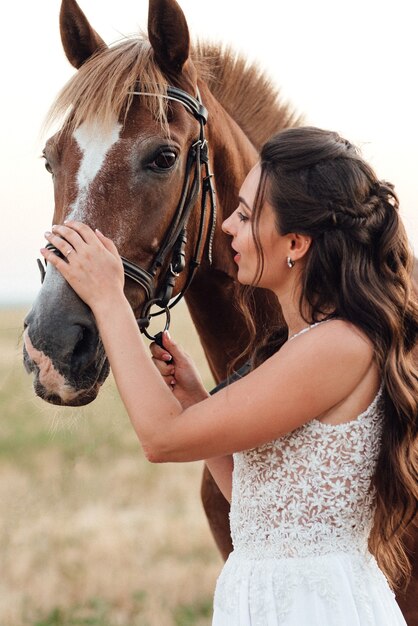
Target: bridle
172	251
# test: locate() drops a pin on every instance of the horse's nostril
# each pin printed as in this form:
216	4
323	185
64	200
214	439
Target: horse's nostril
85	348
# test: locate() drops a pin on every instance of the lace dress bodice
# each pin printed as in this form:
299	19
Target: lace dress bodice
309	492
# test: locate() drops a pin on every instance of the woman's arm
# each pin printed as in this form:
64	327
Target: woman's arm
304	379
221	469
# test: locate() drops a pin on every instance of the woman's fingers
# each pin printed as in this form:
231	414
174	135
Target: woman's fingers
164	364
159	353
66	242
76	234
165	369
50	256
175	349
72	236
108	243
83	231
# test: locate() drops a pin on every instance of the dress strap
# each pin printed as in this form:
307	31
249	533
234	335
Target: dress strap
304	330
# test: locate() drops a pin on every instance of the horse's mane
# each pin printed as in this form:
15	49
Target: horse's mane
100	91
245	92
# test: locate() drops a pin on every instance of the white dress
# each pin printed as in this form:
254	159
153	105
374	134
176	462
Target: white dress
301	513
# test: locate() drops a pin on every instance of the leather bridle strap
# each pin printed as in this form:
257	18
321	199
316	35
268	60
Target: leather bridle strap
175	239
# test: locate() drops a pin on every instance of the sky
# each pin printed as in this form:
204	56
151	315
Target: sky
346	66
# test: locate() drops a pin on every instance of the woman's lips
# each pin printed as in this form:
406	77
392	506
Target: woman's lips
237	257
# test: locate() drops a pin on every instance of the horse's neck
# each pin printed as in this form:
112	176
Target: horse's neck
211	297
221	327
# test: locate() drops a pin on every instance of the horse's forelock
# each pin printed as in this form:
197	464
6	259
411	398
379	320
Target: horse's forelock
100	91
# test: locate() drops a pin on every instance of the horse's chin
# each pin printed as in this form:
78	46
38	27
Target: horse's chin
63	392
77	398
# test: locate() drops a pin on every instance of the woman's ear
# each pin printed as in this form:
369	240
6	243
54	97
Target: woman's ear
299	245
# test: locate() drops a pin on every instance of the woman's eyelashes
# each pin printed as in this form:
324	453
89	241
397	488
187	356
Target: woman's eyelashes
242	217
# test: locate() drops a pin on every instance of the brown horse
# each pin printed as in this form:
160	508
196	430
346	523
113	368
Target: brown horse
119	163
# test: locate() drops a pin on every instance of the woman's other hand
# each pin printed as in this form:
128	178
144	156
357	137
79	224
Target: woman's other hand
179	372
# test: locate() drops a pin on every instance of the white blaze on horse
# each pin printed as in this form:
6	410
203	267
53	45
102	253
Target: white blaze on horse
132	159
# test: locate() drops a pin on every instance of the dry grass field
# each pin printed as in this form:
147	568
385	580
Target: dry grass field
91	534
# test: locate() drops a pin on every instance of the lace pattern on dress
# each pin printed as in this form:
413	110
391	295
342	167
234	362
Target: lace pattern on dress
308	492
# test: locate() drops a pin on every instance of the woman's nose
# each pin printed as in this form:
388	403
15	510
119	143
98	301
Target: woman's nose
226	225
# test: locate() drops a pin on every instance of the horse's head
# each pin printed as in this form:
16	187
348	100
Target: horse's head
119	163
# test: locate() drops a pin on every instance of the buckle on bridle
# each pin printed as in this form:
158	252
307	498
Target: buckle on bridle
172	272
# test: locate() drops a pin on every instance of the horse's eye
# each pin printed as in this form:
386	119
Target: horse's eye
47	166
164	160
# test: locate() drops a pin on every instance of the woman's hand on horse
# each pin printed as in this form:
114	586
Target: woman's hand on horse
180	374
91	263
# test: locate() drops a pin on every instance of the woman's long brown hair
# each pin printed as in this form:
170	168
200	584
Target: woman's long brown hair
359	267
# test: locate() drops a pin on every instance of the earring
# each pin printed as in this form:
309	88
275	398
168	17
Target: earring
290	262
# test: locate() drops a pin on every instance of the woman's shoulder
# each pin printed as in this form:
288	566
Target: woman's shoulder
343	329
333	339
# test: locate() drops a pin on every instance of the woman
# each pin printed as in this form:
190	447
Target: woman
323	428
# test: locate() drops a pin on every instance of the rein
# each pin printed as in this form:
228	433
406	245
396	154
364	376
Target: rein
172	251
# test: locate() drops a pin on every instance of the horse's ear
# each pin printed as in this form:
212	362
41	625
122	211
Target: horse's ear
168	34
79	39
